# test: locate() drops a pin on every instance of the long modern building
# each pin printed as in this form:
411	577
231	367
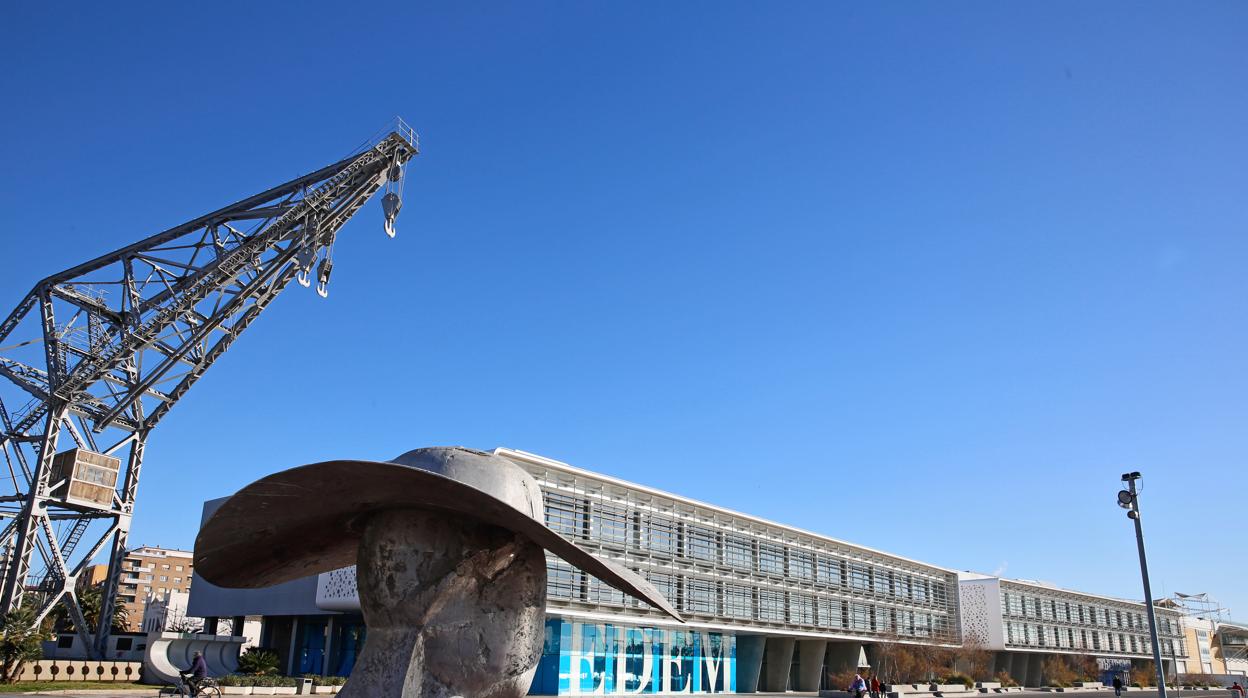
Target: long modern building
1025	623
768	607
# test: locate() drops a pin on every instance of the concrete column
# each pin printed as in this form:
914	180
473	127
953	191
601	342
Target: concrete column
1018	667
328	655
749	662
810	658
1000	663
843	656
294	643
779	662
1035	669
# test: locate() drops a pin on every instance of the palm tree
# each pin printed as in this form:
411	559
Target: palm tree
90	600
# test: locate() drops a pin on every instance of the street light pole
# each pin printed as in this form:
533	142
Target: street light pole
1128	499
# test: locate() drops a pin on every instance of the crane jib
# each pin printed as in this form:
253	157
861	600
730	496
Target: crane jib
94	349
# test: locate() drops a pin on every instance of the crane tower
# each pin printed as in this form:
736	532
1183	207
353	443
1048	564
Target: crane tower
97	354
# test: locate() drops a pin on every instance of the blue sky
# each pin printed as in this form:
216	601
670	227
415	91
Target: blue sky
926	277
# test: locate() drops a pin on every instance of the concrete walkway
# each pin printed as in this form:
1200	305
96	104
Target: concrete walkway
98	693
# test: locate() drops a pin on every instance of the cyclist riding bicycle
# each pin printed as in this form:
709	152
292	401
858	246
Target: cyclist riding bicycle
195	675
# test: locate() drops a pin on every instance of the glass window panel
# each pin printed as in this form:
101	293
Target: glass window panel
918	588
801	609
562	580
830	615
738	601
658	534
609	523
602	593
859	576
700	543
883	586
829	571
883	620
738	552
903	586
922	624
801	565
771	559
700	596
565	513
667	584
770	605
859	616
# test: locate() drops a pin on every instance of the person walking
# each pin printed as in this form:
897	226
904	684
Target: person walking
1117	685
1237	690
875	687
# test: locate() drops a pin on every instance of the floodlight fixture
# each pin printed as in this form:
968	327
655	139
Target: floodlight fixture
1125	499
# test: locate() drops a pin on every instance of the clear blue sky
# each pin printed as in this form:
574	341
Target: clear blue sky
927	277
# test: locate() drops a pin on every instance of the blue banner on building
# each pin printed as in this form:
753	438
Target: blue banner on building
606	659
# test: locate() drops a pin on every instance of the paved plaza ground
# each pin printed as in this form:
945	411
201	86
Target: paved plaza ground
1215	693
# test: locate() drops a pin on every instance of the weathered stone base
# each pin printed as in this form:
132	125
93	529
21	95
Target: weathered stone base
453	608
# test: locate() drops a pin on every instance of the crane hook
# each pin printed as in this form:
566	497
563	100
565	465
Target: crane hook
322	277
390	205
303	260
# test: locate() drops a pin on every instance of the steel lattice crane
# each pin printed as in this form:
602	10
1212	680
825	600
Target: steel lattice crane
100	352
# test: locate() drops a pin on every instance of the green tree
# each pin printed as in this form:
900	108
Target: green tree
90	599
257	660
21	641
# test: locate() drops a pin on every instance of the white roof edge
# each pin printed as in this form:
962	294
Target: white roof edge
1037	585
177	551
560	465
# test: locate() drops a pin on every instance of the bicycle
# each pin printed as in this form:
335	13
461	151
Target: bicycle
207	688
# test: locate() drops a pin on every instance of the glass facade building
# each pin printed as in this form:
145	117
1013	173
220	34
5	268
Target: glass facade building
727	569
1039	617
772	596
1027	623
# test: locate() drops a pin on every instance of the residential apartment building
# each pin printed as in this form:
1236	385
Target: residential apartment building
148	572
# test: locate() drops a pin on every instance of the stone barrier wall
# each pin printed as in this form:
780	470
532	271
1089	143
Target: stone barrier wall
81	670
